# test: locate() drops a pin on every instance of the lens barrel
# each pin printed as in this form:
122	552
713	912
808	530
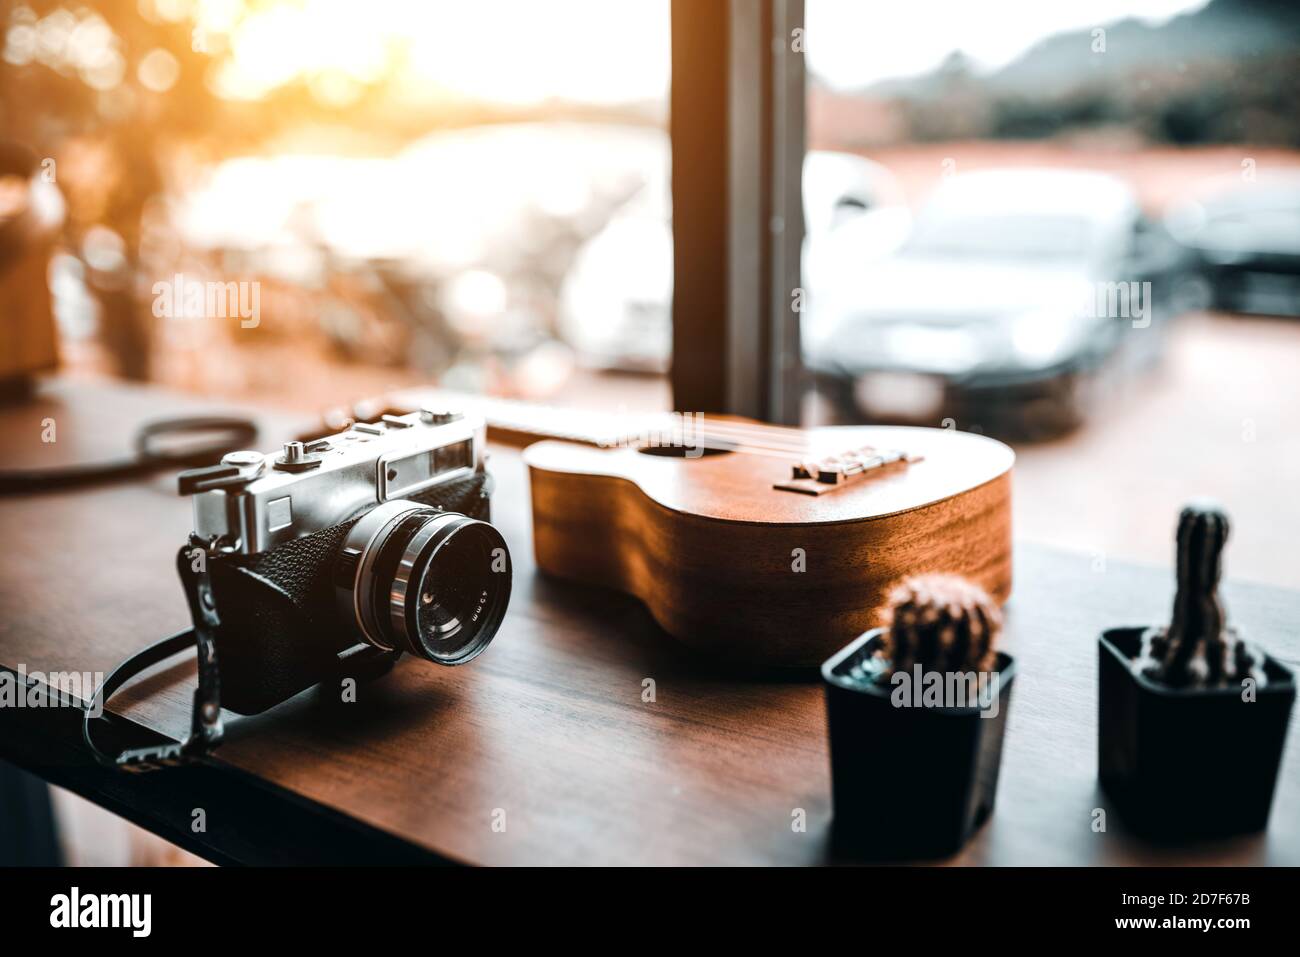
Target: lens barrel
417	579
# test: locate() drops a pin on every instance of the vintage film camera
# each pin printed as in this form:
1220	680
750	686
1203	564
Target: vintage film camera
333	557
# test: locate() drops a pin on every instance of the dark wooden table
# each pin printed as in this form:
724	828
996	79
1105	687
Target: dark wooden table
548	730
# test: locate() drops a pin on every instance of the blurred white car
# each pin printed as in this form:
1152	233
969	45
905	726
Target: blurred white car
1014	287
616	302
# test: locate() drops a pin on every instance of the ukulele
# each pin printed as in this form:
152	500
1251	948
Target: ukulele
763	545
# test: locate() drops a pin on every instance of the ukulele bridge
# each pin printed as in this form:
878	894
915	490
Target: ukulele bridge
819	476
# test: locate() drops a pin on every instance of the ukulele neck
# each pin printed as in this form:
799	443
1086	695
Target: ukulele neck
813	471
519	423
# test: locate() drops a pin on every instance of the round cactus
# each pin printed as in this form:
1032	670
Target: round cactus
1197	648
943	623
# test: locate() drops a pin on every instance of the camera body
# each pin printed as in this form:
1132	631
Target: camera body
333	557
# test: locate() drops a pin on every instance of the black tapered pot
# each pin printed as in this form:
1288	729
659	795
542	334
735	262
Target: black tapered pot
908	782
1187	763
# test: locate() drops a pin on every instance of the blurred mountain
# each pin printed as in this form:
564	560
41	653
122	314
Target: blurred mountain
1221	30
1228	72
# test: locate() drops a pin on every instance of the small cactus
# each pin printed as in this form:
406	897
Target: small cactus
1198	648
941	622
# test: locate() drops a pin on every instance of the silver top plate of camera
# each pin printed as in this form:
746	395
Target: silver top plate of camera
254	501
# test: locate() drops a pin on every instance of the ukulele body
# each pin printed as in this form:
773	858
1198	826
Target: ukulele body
759	576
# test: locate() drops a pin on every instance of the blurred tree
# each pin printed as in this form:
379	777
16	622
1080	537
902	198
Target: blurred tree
104	94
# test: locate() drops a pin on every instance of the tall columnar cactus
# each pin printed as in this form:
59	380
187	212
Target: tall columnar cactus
943	623
1197	648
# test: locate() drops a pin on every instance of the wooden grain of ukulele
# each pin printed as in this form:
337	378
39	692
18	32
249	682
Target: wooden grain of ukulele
760	544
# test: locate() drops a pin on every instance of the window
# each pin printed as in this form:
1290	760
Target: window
1072	226
472	194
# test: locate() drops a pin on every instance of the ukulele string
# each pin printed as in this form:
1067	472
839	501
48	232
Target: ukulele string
766	437
751	440
677	423
725	444
746	437
758	432
719	435
674	432
729	439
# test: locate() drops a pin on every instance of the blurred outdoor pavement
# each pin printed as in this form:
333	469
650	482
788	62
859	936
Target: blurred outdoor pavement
1218	418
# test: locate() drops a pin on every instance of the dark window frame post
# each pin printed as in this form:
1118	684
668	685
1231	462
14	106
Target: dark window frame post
737	127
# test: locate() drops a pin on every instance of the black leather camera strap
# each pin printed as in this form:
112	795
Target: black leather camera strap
158	445
205	720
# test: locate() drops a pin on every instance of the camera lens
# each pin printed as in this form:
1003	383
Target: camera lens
417	579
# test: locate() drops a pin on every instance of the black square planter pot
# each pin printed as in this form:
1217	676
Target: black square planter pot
1184	764
907	782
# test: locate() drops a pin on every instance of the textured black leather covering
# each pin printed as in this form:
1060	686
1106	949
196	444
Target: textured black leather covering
280	630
